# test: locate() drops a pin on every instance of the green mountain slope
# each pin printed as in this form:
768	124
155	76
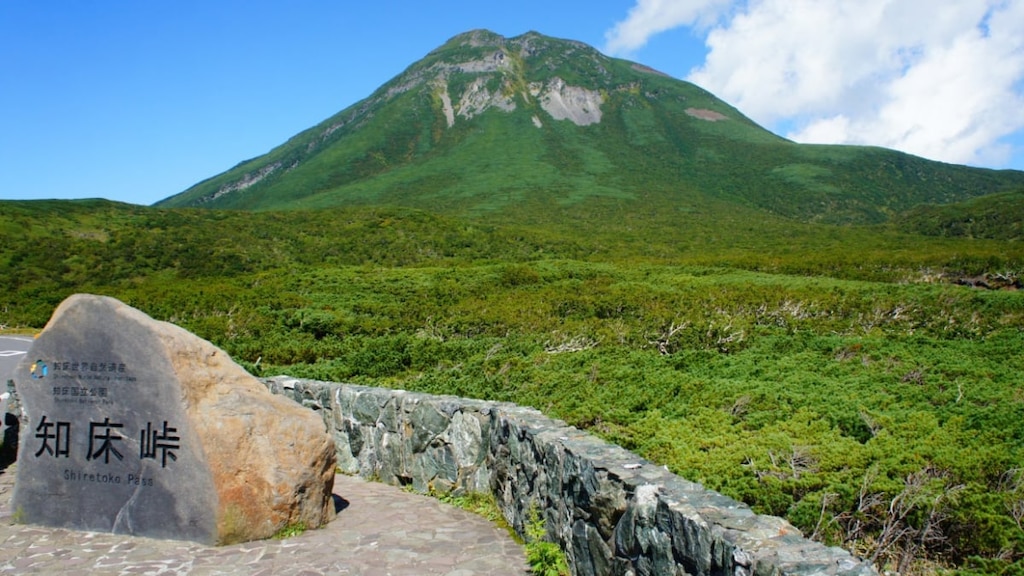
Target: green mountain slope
996	216
533	128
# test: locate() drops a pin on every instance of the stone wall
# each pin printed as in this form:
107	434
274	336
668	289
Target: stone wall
611	511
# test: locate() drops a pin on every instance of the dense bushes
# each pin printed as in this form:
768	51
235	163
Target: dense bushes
849	389
886	418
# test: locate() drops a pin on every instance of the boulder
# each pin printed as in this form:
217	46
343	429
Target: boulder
132	425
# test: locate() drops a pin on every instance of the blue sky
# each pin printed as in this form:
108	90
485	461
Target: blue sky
136	101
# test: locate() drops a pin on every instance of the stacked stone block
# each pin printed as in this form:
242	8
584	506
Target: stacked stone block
611	511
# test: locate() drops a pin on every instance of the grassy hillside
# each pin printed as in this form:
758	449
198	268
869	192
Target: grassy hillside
823	373
660	143
997	216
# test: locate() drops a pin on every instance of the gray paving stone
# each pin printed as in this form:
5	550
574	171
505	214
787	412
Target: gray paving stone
381	531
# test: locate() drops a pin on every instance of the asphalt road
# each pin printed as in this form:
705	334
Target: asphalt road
12	351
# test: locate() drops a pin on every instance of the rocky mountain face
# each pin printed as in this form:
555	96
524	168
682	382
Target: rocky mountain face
485	123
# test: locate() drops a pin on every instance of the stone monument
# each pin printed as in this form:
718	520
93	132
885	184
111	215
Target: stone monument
136	426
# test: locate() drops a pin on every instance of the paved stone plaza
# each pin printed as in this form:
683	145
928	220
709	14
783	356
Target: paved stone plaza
379	531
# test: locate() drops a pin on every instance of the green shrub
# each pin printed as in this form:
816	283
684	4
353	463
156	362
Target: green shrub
545	558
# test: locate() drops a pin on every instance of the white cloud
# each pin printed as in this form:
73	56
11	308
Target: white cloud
942	79
649	17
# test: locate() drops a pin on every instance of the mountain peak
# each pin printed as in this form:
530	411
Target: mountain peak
476	38
481	37
484	121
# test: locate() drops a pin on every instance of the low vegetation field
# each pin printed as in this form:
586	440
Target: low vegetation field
838	376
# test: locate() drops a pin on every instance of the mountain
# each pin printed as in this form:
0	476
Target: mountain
533	129
995	216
